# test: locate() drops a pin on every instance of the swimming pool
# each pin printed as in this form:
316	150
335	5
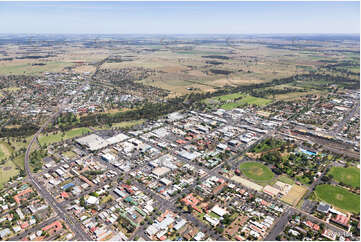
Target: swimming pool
307	152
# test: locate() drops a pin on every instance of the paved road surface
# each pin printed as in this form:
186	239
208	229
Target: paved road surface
279	225
74	225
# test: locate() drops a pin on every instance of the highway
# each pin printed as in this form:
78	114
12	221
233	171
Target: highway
73	224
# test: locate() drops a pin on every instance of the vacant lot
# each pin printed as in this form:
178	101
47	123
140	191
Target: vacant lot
294	195
256	171
339	197
349	175
53	138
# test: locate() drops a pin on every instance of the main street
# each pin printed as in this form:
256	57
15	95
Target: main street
347	117
74	225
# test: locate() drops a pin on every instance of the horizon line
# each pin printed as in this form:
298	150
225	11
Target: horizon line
293	33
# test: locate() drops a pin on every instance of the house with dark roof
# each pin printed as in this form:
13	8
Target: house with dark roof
323	208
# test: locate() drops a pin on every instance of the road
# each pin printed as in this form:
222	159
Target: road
34	229
347	118
318	181
279	226
74	225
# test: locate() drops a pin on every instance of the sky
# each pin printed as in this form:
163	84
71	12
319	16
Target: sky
179	17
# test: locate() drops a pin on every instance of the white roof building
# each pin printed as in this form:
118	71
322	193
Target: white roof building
199	236
219	211
91	200
160	171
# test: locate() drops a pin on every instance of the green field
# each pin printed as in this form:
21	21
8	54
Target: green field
53	138
27	68
7	170
285	179
229	97
339	197
2	154
256	171
19	161
69	154
349	175
235	100
125	124
5	150
246	100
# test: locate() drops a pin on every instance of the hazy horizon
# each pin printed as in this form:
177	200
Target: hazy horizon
187	18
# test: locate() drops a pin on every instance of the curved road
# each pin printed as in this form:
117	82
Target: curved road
74	225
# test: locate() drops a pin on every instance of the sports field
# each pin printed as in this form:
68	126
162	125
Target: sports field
338	197
256	171
349	175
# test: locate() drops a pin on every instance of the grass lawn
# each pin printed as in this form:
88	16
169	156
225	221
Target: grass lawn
19	161
229	106
349	175
5	150
212	214
53	138
125	124
235	100
7	171
69	154
285	179
246	99
339	197
303	180
200	216
256	171
106	199
229	96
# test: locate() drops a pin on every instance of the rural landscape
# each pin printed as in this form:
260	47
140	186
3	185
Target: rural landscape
133	137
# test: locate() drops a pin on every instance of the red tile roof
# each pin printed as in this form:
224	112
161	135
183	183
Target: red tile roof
341	219
55	226
64	195
18	197
24	225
